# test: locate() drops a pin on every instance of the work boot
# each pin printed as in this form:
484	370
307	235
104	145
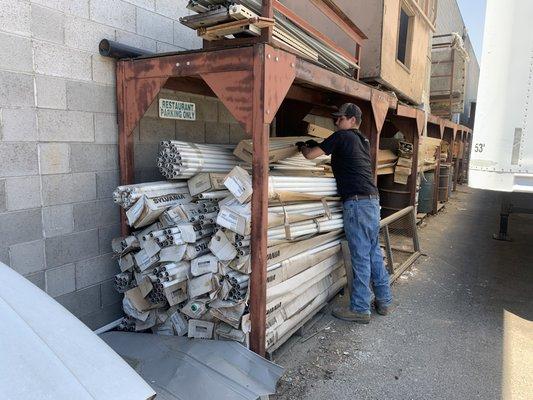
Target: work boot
346	314
384	310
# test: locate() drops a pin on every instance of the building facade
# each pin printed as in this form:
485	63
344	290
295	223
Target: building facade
58	139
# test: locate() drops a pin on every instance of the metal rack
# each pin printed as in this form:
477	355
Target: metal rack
252	80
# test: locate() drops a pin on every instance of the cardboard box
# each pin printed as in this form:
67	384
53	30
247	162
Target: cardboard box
235	217
200	285
206	182
239	183
179	324
176	292
222	248
204	265
199	329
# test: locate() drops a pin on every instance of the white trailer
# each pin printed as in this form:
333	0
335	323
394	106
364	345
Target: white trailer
502	149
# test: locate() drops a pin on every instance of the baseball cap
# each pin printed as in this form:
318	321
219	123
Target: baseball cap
349	110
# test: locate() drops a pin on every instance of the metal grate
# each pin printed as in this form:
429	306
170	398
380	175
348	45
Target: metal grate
399	241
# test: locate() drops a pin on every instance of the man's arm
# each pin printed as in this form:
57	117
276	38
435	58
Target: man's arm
312	152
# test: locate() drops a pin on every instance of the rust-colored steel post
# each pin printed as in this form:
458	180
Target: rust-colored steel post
125	140
260	139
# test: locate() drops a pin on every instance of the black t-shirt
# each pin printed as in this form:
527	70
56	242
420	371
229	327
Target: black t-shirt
350	161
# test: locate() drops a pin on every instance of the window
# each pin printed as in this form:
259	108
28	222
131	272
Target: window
404	38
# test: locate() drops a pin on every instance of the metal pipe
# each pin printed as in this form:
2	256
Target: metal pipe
110	48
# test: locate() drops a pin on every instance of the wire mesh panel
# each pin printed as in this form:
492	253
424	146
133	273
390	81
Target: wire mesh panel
399	241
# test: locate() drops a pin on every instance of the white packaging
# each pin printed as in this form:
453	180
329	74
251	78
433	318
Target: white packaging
205	182
200	285
204	265
179	323
199	329
172	253
144	261
194	308
197	249
150	246
126	262
239	183
222	248
175	292
236	218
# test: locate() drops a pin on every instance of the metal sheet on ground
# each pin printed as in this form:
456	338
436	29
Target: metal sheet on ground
180	368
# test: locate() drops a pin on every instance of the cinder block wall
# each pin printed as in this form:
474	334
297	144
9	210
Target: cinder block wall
58	138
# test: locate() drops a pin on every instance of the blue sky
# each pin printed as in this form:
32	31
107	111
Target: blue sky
473	12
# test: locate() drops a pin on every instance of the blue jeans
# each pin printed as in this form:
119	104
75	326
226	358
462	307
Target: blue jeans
361	225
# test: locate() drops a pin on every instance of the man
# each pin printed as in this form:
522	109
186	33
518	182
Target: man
350	161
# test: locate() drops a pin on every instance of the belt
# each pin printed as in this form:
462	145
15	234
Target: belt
358	197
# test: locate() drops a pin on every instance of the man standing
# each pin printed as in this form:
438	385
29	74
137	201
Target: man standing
350	161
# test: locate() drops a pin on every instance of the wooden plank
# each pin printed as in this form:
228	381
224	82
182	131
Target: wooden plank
219	31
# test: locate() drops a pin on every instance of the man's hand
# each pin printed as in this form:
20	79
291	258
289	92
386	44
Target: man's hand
300	145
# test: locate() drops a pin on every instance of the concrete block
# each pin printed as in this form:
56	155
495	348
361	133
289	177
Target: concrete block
3	199
16	90
185	37
51	92
105	128
132	39
27	258
68	188
65	126
225	116
23	193
155	26
236	133
145	155
116	13
109	294
104	70
105	235
153	110
154	130
19	159
103	316
38	279
93	157
47	24
57	60
54	158
58	220
167	48
106	183
148	175
172	8
147	4
70	248
20	227
95	270
60	280
81	302
93	214
19	125
86	35
190	131
79	8
206	109
15	17
216	132
90	97
15	53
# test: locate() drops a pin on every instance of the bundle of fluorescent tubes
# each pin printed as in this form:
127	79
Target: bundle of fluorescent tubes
185	268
